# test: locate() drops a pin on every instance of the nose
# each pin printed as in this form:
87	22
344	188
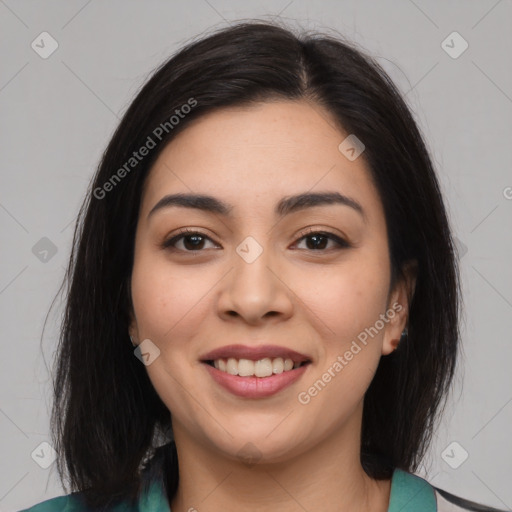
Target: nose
255	290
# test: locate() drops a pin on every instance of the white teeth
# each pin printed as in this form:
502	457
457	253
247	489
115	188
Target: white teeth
261	368
232	366
245	368
278	365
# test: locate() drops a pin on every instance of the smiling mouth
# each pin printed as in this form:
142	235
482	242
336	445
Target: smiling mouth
262	368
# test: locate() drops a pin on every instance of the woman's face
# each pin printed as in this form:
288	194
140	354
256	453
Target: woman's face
256	274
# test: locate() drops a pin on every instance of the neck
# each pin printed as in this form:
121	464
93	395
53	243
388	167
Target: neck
328	476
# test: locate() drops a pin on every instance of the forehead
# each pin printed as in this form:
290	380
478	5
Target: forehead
253	155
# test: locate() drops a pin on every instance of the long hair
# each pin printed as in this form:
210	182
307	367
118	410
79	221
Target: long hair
107	419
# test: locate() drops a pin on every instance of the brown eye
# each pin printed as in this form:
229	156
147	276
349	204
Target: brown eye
320	239
193	241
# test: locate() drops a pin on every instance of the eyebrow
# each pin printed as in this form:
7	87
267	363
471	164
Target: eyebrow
285	206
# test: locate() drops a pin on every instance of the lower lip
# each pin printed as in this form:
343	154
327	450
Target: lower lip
255	387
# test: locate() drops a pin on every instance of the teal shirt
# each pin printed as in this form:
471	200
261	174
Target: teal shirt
409	493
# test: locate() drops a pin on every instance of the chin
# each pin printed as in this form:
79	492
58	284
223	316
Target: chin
257	447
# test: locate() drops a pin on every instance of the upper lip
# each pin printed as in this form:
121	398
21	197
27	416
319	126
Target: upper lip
254	353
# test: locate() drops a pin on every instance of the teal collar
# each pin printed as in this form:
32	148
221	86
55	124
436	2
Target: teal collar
409	493
154	499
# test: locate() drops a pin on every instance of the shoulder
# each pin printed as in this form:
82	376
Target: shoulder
411	492
74	503
447	502
67	503
151	497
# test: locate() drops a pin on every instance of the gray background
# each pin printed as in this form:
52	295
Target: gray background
58	114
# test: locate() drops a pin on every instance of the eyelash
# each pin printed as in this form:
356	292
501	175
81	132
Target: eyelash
184	232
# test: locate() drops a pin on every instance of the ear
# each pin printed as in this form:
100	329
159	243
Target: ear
399	302
133	330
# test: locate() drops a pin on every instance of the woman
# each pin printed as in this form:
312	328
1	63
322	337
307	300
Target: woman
267	229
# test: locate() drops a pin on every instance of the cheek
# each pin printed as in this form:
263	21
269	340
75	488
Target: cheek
346	305
346	299
170	306
170	302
